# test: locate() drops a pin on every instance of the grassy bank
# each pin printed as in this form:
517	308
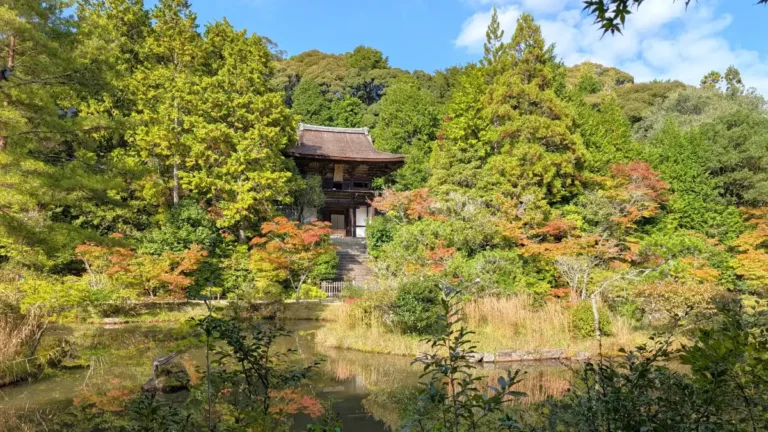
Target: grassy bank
510	323
152	312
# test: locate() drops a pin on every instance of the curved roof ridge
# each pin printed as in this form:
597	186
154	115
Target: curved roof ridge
304	126
353	144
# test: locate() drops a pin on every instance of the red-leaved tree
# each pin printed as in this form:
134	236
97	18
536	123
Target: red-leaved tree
294	250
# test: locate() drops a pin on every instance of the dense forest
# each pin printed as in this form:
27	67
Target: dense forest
141	158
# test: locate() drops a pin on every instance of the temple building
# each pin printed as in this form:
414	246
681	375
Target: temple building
347	163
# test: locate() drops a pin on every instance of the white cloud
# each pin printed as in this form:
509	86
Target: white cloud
661	40
472	33
529	5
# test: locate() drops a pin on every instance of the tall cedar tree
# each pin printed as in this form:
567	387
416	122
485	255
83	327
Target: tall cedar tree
234	162
496	54
167	89
458	154
536	150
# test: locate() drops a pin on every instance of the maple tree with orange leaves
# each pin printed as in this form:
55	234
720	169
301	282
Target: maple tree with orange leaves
636	192
751	263
406	205
291	249
169	272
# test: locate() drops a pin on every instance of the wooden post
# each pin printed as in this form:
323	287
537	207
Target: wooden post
10	64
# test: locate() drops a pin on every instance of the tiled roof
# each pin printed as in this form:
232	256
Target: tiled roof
352	144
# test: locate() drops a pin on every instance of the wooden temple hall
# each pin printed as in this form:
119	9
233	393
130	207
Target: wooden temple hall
347	163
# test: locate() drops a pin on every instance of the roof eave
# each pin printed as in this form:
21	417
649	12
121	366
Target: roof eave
386	159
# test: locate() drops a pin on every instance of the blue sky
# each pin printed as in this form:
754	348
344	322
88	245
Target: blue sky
662	39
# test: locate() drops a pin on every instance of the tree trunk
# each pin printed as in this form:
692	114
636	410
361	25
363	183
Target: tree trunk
176	184
241	233
298	288
10	64
596	319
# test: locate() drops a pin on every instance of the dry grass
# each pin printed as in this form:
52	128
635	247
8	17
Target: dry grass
19	337
506	323
349	328
18	333
513	323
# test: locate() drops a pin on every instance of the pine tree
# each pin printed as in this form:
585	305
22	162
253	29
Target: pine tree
733	84
712	80
166	88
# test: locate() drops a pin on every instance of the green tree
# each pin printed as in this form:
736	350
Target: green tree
310	104
638	99
733	84
408	122
347	112
495	51
459	152
308	196
692	107
697	203
609	78
736	155
607	134
35	68
166	89
367	59
732	79
58	187
234	161
536	149
712	80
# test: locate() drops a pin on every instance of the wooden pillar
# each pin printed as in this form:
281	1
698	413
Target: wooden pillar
350	227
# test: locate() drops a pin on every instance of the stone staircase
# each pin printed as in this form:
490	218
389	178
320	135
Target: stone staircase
353	259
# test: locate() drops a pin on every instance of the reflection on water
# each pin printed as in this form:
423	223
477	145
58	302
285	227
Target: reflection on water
370	392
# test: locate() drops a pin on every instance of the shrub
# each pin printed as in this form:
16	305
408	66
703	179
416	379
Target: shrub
499	272
352	292
583	322
312	292
325	269
417	305
267	310
380	231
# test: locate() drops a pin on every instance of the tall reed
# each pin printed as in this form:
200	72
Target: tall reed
20	334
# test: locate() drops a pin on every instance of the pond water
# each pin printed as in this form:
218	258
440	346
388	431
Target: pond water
368	391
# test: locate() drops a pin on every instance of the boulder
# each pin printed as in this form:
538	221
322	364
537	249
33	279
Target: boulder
529	355
582	356
169	376
489	358
474	357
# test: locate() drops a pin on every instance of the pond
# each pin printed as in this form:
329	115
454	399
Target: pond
368	391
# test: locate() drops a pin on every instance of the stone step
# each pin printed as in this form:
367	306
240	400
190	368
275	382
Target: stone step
353	259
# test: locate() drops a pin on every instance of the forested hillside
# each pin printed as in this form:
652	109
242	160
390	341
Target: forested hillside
142	158
136	132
